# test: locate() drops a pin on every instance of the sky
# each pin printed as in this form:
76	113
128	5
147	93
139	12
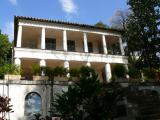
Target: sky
79	11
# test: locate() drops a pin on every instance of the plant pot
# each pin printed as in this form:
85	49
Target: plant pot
74	78
37	77
60	78
12	77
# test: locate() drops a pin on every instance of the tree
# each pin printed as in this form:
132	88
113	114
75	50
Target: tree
101	25
142	33
5	49
119	20
88	99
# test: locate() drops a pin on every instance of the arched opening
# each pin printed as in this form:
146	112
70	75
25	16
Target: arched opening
33	104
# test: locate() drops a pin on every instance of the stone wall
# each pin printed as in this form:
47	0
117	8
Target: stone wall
18	89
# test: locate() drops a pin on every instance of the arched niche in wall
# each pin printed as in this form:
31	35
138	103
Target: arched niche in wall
33	104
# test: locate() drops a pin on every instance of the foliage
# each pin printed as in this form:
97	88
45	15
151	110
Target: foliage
148	74
36	69
119	71
5	52
119	20
86	71
60	71
142	33
88	99
74	72
11	69
40	117
133	71
101	25
57	71
5	106
5	49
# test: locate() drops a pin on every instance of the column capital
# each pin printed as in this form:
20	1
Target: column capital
88	64
42	63
17	61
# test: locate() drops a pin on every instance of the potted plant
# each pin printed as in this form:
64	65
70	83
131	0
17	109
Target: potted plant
74	74
57	73
12	72
38	73
60	74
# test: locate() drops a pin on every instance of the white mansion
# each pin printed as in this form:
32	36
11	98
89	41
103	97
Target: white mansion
71	45
56	43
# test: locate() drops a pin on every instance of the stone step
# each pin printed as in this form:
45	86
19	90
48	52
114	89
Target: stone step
150	111
146	107
149	117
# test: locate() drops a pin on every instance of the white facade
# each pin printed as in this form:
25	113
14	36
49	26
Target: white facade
30	47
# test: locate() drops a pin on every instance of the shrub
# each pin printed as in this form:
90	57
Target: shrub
74	72
36	69
134	73
5	107
148	74
57	71
119	71
11	69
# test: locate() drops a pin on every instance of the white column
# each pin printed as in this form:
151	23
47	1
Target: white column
66	65
121	46
126	66
88	64
104	44
43	39
19	36
42	63
65	40
85	42
17	62
108	72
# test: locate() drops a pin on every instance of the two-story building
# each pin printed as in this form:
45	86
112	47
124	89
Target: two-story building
71	45
56	43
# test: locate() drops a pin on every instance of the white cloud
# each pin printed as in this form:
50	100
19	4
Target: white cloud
14	2
9	30
69	7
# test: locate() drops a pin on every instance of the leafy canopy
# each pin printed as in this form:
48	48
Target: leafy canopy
142	32
88	99
5	49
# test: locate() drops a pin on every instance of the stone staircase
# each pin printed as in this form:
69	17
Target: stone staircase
148	105
149	109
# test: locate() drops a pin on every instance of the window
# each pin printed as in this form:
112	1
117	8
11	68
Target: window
71	45
50	43
33	104
90	47
100	48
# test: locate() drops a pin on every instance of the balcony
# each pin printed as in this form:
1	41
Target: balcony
71	56
54	40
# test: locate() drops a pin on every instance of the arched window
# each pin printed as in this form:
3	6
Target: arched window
33	104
